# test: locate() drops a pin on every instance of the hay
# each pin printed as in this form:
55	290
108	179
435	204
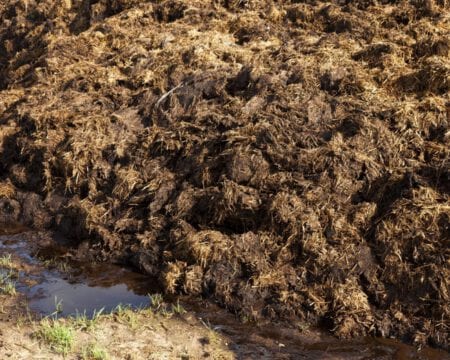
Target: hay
287	159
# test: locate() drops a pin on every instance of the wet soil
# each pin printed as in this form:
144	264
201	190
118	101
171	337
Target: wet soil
288	160
54	284
269	341
81	288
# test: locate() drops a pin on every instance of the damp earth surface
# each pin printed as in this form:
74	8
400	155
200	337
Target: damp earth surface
53	285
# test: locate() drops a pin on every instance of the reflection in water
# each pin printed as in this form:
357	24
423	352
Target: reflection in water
83	288
73	298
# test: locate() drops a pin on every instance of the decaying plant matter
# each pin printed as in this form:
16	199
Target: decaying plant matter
289	159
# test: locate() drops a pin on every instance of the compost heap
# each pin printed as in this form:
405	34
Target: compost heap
288	159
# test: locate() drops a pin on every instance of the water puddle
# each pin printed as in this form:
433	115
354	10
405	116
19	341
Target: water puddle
71	287
278	342
70	298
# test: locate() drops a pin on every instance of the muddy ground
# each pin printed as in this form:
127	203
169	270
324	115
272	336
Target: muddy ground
129	335
288	159
38	320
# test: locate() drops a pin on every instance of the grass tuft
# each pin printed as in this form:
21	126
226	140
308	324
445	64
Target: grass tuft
7	286
156	301
126	314
57	335
94	352
6	261
84	323
178	309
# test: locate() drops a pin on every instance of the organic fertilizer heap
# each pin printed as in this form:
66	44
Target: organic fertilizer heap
288	159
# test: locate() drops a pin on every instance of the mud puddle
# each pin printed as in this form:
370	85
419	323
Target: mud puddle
277	341
69	298
53	284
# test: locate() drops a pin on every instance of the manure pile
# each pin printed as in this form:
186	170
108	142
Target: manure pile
288	159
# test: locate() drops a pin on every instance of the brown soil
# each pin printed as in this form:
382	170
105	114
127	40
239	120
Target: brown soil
130	336
161	329
288	159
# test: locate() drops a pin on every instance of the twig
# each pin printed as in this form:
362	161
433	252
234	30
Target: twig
164	96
